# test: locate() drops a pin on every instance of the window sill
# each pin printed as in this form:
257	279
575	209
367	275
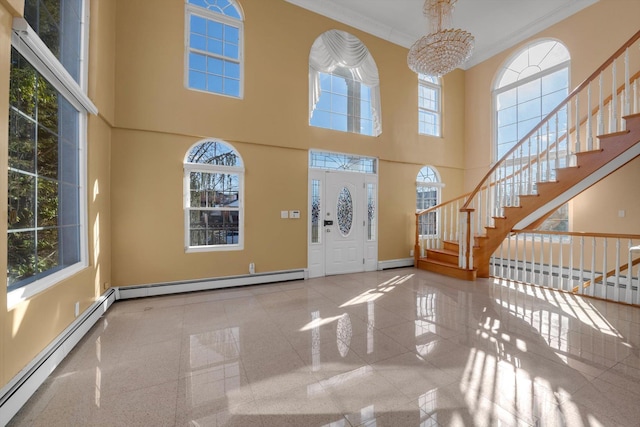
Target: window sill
22	294
196	249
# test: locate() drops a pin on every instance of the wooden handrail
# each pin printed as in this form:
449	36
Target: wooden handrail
580	234
622	267
536	128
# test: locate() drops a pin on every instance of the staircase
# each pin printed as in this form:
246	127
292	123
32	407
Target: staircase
547	168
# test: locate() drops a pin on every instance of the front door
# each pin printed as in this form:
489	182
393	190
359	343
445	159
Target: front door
342	223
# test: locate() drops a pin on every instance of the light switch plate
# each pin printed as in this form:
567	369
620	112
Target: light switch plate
294	214
284	214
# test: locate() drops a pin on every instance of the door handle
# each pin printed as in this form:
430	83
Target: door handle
328	222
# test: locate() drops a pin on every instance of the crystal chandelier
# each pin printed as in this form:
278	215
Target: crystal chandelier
443	49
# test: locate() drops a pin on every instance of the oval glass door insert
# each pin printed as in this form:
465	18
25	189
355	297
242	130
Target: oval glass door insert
345	211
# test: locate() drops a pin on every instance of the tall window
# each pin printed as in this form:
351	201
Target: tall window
527	88
429	105
47	121
428	187
213	185
344	91
214	46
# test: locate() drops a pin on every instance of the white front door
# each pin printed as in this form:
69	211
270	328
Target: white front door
343	228
344	222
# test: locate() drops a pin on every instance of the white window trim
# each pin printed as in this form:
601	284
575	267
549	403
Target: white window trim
27	42
201	167
218	17
438	113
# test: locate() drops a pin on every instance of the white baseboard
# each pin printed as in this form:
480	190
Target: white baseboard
16	393
157	289
26	382
395	263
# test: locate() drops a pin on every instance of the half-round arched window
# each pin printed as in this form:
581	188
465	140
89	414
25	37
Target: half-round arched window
527	87
428	187
213	194
214	54
344	87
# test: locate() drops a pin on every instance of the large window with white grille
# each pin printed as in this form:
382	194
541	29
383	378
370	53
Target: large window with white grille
213	188
527	88
214	54
429	105
46	215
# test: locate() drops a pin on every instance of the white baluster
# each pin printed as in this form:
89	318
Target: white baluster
589	129
616	282
472	233
594	246
557	139
571	264
479	210
561	265
551	262
635	97
533	258
578	149
623	123
517	270
501	274
629	290
614	101
548	155
542	259
604	269
627	91
461	241
601	108
509	257
530	171
581	275
538	168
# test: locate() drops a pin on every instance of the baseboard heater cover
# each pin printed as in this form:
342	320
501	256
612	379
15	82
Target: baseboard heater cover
158	289
395	263
16	393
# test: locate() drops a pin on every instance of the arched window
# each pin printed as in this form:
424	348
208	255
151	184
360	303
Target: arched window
527	88
213	194
214	54
428	187
429	105
531	84
344	91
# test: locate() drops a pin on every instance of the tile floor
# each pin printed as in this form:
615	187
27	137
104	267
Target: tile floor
394	348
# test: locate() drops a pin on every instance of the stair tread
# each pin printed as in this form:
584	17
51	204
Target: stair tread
435	261
443	251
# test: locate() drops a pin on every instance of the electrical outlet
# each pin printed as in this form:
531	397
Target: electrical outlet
252	268
76	309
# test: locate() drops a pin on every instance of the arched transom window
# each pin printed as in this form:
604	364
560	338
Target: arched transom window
214	46
344	91
213	193
428	187
527	88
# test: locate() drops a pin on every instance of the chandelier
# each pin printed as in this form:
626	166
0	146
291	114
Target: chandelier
443	49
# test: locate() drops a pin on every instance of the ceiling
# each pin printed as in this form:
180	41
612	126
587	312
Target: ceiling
495	24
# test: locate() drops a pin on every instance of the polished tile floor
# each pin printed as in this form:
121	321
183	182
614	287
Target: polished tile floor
394	348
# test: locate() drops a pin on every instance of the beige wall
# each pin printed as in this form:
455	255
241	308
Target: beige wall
29	327
157	120
591	36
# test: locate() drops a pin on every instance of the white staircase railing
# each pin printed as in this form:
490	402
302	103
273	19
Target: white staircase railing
605	266
595	107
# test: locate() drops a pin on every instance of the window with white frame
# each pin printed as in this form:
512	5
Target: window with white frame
428	187
344	92
429	105
213	187
214	31
46	228
528	87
